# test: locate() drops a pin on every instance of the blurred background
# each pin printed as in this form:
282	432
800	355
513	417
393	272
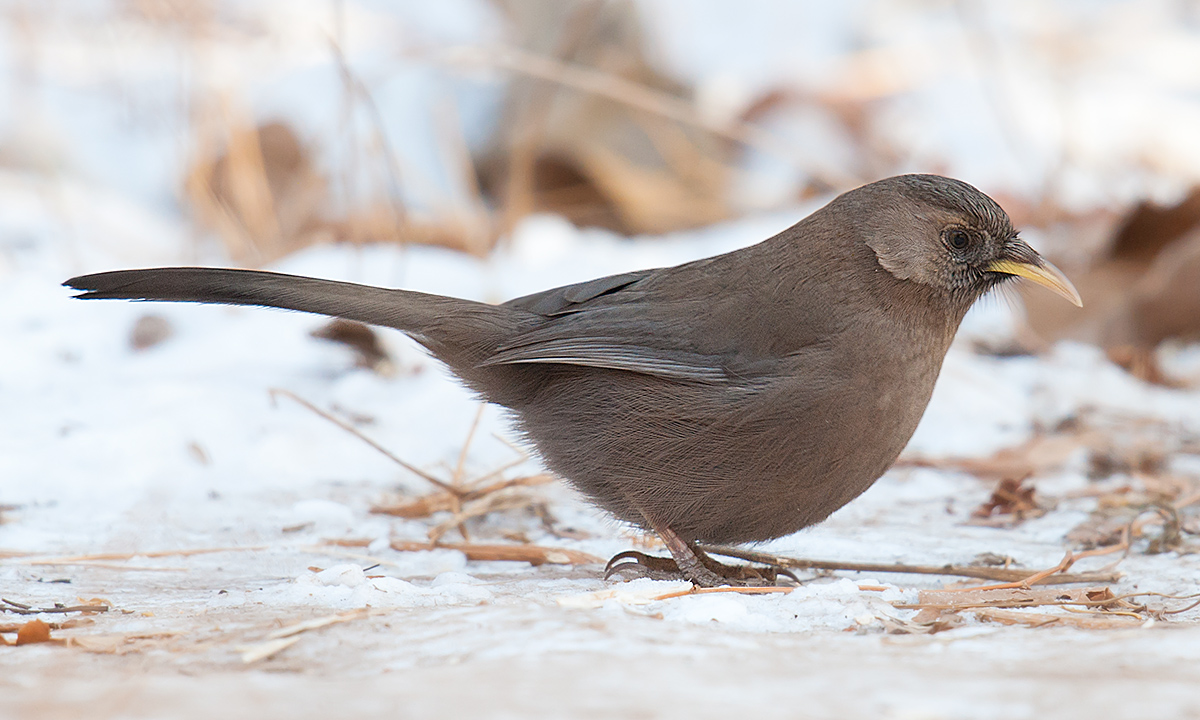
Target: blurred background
241	132
491	148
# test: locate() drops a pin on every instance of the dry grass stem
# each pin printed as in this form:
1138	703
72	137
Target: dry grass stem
1069	559
285	637
532	554
1097	621
80	559
971	571
273	392
739	590
627	92
316	623
17	608
107	566
464	500
478	508
263	650
356	87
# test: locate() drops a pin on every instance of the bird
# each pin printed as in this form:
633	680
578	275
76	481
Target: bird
734	399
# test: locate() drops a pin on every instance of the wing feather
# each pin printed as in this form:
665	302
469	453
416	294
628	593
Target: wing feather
614	354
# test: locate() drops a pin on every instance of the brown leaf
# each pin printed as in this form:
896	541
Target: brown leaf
369	353
595	157
931	621
1148	228
1011	497
261	192
148	331
34	631
1143	288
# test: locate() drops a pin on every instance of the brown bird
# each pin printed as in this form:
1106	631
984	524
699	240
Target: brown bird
733	399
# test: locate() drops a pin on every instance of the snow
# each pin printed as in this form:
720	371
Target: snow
183	446
101	460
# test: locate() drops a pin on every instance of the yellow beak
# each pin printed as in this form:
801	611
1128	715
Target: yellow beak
1044	274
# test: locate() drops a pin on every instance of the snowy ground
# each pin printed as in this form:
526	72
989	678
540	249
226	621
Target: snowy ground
180	447
117	463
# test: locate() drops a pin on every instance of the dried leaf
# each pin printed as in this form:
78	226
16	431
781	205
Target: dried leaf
148	331
1087	621
1013	498
929	621
1011	597
1143	289
369	353
261	193
34	631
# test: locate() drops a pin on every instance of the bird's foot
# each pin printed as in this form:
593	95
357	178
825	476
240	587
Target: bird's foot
632	565
695	566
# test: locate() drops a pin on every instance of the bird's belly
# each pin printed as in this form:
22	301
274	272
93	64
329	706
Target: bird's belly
732	465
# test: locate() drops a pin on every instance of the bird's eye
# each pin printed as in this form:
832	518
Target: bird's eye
958	239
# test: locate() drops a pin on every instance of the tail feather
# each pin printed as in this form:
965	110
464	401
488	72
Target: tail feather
460	332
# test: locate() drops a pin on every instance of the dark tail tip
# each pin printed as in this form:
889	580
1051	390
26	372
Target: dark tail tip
87	284
104	286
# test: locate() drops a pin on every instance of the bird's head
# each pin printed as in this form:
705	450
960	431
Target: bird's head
946	234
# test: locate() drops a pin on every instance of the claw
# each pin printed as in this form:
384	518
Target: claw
633	565
706	572
652	562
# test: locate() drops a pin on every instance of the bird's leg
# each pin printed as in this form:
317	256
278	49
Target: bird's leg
686	560
690	560
692	563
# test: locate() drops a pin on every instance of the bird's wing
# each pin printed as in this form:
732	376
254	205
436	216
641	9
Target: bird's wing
567	299
615	354
619	323
702	322
588	324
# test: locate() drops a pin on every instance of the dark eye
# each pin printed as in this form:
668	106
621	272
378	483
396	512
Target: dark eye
958	239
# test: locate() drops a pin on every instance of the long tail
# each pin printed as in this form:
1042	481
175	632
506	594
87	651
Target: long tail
461	332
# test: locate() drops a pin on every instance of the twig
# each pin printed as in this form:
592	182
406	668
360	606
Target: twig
1182	609
1097	621
77	559
524	481
971	571
740	590
263	650
105	566
17	608
476	509
285	637
532	554
316	623
1093	598
472	494
456	495
456	505
1069	559
355	432
457	477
